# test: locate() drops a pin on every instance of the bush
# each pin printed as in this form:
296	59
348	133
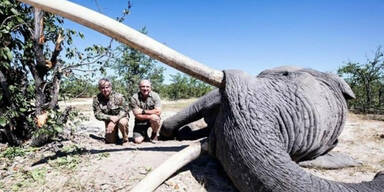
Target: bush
184	87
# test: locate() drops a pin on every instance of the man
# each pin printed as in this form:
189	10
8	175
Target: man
111	108
146	106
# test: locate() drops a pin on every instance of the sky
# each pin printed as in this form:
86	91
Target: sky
254	35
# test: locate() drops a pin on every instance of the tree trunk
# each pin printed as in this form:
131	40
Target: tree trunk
38	38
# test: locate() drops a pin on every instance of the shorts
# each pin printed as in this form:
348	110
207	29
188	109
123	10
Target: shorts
141	130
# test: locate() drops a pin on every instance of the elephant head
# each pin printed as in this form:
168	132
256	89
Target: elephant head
259	125
263	125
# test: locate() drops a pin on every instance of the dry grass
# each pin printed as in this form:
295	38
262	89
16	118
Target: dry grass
85	104
176	105
361	139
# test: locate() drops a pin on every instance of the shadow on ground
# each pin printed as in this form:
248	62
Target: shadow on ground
209	173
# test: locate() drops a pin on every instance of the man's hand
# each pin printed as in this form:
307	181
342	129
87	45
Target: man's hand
114	119
110	127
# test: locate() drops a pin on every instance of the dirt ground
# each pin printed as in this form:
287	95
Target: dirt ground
85	163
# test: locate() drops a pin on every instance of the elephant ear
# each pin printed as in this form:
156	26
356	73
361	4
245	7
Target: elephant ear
334	81
330	79
343	86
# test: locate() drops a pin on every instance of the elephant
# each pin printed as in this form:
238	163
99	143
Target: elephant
260	127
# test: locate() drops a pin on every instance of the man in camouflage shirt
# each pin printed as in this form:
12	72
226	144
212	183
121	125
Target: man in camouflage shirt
111	107
146	106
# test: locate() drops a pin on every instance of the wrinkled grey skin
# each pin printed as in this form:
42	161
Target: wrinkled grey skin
260	127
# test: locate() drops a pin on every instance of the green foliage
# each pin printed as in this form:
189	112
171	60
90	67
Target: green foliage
31	70
38	174
12	152
103	155
57	121
68	162
15	92
367	82
75	88
183	87
132	66
72	149
71	158
21	108
30	178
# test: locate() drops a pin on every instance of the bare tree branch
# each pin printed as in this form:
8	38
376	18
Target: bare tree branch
85	64
85	70
56	52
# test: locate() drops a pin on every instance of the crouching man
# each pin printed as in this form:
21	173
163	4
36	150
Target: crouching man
146	106
111	107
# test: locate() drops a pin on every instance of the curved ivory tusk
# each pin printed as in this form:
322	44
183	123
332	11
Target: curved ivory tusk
170	166
131	37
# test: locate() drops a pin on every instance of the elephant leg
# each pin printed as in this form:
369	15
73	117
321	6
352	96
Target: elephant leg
205	108
331	160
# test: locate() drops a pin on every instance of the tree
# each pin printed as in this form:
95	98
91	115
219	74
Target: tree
183	87
131	66
75	87
366	80
31	69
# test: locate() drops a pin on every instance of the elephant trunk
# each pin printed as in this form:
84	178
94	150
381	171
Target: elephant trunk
129	36
203	107
296	179
278	173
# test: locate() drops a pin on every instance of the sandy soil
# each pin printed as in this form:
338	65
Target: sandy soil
104	167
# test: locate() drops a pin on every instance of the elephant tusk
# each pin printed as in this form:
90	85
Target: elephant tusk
170	166
131	37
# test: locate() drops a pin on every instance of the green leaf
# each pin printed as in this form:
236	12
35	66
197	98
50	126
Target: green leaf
19	19
57	128
14	11
9	54
3	121
4	64
6	2
23	109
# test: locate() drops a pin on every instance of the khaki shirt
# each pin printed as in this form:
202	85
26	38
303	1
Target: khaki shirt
152	102
104	108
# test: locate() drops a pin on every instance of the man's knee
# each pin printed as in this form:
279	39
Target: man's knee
154	119
123	122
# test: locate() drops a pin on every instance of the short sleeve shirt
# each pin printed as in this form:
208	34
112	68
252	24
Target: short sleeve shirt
152	102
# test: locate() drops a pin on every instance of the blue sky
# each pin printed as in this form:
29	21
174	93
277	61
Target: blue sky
255	35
